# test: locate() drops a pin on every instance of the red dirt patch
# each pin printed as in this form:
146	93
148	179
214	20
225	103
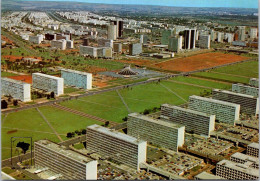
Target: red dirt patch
12	131
200	61
4	38
24	78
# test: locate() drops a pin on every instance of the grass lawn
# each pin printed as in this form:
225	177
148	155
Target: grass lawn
248	69
64	122
7	74
207	83
68	90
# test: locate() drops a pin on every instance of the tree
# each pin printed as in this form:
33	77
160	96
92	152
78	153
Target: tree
77	131
106	123
146	111
69	135
4	104
24	146
125	119
48	96
15	102
52	95
83	131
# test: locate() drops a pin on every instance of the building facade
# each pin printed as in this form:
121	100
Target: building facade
225	112
77	78
135	48
61	44
254	82
245	159
253	149
204	41
157	132
244	89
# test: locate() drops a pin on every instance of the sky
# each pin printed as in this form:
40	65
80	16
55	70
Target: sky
178	3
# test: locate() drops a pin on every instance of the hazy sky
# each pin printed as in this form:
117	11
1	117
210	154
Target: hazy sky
179	3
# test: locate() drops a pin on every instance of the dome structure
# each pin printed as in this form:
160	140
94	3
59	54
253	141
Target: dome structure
127	71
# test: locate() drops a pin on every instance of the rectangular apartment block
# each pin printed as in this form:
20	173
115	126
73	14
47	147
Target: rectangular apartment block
236	171
135	49
225	112
157	132
248	104
254	82
17	89
60	160
206	176
245	159
117	146
61	44
244	89
204	41
88	50
198	122
253	149
48	83
77	78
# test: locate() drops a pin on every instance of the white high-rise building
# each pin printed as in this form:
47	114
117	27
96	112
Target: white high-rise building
204	41
112	32
253	33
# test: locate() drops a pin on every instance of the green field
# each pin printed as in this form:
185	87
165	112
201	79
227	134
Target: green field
7	74
68	90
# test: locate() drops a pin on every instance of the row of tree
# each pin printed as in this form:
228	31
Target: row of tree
4	103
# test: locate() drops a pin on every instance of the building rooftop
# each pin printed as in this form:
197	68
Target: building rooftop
206	176
66	152
156	121
13	80
254	145
245	157
75	71
116	134
49	76
215	101
239	84
233	93
240	167
187	110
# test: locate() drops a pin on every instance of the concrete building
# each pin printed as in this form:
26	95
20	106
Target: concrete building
230	37
254	82
244	89
175	44
225	112
69	44
236	171
88	50
105	43
48	83
248	104
166	34
161	133
17	89
206	176
60	160
245	159
117	47
198	122
104	52
253	149
112	32
241	33
120	27
35	39
60	44
204	41
213	35
220	37
135	48
189	38
77	78
253	33
117	146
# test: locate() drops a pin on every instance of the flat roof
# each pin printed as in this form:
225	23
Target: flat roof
187	110
49	76
254	145
115	134
245	157
76	71
14	81
239	84
205	176
240	167
156	121
234	93
66	152
215	101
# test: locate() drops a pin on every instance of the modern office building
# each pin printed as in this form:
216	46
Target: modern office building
117	146
204	41
245	159
104	52
236	171
61	44
253	149
135	48
120	27
230	37
220	37
207	176
35	39
189	38
112	32
244	89
175	44
225	112
241	33
88	51
254	82
105	43
117	47
253	33
48	83
17	89
166	34
69	44
77	78
60	160
161	133
194	121
248	104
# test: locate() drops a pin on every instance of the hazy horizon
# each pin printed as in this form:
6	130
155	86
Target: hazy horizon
176	3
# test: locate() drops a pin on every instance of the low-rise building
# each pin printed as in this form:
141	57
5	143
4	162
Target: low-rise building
253	149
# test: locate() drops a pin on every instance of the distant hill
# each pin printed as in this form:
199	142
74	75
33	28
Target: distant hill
79	6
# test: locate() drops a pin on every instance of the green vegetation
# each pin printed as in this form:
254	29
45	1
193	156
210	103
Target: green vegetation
68	90
7	74
79	146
